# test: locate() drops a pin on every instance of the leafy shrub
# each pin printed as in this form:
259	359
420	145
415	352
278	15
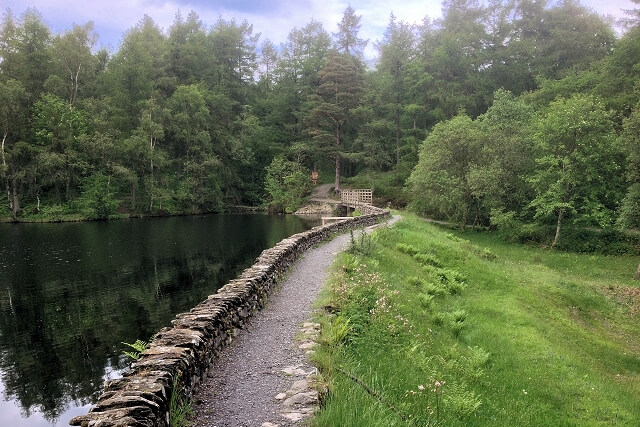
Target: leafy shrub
54	212
361	244
335	332
407	249
488	255
478	357
456	328
456	288
512	229
450	280
605	242
427	259
415	281
439	318
287	184
459	315
629	212
98	198
434	289
351	263
460	401
138	346
426	300
179	406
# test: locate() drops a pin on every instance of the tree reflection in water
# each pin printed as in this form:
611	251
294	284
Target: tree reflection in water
70	294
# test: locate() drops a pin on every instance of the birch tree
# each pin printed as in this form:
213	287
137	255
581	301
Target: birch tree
73	57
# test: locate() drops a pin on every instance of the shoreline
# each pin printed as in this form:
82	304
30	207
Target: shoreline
120	217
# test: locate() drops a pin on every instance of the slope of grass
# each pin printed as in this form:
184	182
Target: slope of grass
429	327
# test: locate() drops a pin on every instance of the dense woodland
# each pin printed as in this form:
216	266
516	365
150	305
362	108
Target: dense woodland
503	113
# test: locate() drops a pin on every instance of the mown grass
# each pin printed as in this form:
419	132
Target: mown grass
513	335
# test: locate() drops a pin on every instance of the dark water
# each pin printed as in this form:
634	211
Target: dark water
70	294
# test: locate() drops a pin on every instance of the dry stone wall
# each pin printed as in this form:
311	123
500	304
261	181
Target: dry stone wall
183	353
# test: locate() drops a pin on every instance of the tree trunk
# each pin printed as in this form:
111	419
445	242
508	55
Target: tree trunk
9	198
372	179
558	226
336	186
398	136
4	167
463	224
151	183
15	205
4	138
133	196
637	276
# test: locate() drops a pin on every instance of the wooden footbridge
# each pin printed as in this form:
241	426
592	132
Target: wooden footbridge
353	199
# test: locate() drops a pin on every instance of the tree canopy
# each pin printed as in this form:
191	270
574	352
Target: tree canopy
499	111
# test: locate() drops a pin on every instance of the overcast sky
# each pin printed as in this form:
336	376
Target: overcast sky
272	18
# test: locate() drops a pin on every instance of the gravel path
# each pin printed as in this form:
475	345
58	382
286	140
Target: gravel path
320	194
247	377
244	382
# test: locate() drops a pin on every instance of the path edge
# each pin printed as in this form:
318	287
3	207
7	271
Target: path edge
182	354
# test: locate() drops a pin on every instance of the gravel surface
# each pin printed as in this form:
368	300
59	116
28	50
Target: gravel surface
243	384
244	381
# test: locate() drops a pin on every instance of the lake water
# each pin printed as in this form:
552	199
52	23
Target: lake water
71	293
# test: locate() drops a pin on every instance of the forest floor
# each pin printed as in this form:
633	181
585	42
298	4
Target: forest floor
263	378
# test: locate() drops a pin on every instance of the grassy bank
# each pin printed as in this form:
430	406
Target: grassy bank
427	327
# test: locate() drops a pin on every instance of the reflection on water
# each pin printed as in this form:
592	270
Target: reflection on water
70	294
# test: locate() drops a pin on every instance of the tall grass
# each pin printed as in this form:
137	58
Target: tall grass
467	330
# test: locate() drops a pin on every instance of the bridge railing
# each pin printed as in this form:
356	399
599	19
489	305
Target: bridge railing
356	197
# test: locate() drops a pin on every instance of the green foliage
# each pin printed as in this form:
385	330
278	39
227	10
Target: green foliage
387	186
138	346
179	406
98	199
461	401
630	141
487	254
362	244
604	242
577	165
178	122
439	184
335	332
434	289
629	212
57	124
427	259
329	113
407	249
459	316
55	212
507	341
287	185
499	174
